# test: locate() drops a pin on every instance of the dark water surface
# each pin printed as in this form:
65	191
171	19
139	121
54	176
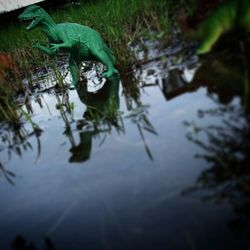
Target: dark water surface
132	183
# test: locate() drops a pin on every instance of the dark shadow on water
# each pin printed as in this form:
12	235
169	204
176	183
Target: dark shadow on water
19	243
225	145
227	150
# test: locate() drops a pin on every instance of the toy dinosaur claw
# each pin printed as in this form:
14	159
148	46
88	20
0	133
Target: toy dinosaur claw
109	73
54	47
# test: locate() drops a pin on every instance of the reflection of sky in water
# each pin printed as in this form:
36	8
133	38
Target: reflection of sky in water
7	5
119	193
119	198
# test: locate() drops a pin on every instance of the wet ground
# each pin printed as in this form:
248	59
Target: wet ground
158	159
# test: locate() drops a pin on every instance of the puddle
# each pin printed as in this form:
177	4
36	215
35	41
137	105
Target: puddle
111	169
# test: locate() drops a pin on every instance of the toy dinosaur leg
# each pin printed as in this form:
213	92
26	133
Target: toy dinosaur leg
104	57
211	38
110	53
74	70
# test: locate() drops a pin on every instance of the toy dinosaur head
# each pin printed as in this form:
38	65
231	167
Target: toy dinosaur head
34	13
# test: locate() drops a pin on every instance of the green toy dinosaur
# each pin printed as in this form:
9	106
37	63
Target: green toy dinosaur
231	14
82	42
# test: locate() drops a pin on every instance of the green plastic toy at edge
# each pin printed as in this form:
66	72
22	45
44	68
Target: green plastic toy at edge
82	42
231	14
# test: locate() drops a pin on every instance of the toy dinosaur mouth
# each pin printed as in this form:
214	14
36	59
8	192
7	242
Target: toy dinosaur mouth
34	22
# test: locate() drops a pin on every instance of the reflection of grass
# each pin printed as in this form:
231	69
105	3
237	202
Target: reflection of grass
8	175
15	140
226	148
139	117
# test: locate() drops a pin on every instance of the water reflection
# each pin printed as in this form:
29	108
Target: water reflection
223	74
132	197
227	74
100	116
103	104
176	84
227	150
15	140
7	174
19	243
225	142
139	116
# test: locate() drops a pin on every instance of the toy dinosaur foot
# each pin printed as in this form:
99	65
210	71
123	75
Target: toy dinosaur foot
109	73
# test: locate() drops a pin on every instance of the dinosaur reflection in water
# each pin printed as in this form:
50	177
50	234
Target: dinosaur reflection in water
100	119
101	116
102	112
103	104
